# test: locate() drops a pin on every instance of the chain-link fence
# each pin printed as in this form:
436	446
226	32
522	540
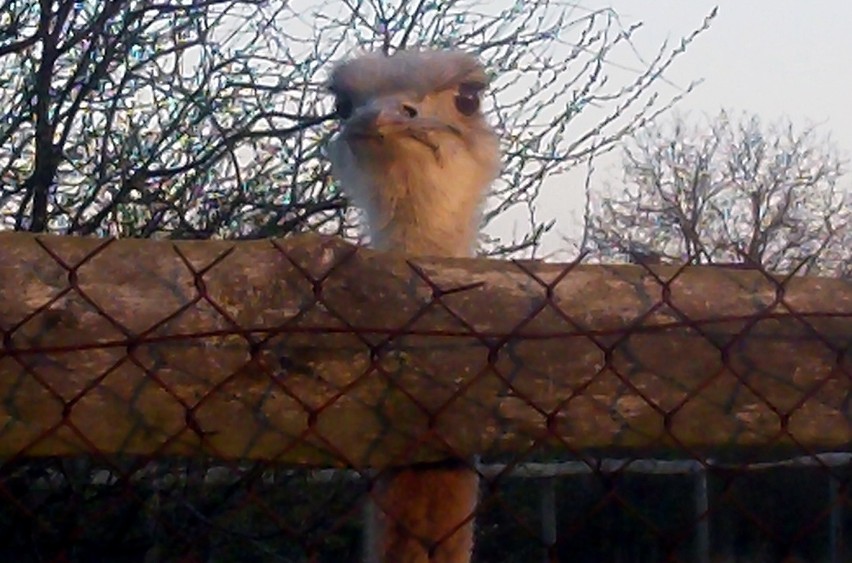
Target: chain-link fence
221	401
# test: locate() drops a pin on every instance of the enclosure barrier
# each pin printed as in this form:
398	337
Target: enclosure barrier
310	352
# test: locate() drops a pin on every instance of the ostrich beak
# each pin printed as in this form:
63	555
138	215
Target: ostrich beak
382	117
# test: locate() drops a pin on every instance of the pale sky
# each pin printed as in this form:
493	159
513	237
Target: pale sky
773	58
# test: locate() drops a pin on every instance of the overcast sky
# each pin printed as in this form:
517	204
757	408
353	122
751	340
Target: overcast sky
773	58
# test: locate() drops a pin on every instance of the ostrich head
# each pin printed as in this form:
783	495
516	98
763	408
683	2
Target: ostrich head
414	150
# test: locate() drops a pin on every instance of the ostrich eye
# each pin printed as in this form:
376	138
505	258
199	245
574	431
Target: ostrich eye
467	98
343	106
467	103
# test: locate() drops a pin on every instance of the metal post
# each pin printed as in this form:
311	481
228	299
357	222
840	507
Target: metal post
548	516
702	518
835	532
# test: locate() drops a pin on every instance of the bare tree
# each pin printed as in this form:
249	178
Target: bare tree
207	118
731	190
127	117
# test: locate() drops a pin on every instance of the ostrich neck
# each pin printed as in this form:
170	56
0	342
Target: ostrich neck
422	218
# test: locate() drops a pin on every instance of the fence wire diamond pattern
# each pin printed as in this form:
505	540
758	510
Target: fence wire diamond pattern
220	401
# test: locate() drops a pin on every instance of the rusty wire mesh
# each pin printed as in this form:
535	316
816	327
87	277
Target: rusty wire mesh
205	402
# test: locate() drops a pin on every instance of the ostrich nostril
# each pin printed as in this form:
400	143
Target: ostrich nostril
409	110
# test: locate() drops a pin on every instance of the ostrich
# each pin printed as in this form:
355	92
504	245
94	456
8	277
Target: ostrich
416	154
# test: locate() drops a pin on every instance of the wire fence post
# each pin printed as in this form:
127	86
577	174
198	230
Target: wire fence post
702	517
368	512
835	519
548	517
